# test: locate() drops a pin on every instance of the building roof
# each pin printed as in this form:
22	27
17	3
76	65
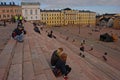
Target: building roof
10	4
30	3
98	16
50	10
105	19
86	11
67	9
64	9
117	15
109	14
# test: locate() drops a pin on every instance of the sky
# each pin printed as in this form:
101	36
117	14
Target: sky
98	6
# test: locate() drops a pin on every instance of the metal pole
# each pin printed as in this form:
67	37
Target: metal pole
79	25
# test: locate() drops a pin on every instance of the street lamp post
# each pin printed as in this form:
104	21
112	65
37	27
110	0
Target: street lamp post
79	29
79	25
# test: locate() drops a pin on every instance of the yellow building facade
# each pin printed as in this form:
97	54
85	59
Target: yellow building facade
68	17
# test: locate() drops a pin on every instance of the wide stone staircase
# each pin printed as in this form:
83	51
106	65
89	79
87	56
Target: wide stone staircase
30	60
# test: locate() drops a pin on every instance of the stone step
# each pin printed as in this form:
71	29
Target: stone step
27	53
18	55
15	72
88	68
41	77
5	58
28	72
116	72
40	65
47	49
106	77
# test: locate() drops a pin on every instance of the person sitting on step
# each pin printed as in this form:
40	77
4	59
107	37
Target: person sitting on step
36	29
61	67
18	33
55	56
50	35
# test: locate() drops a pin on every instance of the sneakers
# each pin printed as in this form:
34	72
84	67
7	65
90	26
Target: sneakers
65	78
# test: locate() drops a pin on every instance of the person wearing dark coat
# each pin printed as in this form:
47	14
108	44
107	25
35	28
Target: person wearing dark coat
34	24
61	65
55	56
18	33
50	35
82	48
4	23
36	29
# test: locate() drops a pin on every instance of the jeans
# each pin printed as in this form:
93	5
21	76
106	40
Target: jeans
19	37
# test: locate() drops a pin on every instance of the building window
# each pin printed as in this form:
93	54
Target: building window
31	17
25	11
4	16
7	10
7	15
15	10
11	10
3	10
36	17
36	11
31	12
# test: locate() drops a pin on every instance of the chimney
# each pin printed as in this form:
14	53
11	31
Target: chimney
1	3
10	3
4	3
13	3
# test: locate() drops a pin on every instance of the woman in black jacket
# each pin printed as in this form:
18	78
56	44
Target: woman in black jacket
61	65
